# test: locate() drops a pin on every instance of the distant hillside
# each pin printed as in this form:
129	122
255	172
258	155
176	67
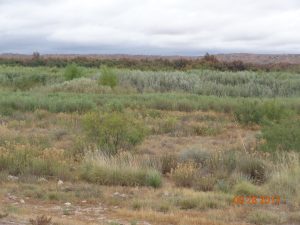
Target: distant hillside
260	58
244	57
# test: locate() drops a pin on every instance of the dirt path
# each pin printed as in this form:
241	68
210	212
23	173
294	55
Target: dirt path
63	213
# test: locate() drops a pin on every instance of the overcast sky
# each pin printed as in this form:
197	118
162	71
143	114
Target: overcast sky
163	27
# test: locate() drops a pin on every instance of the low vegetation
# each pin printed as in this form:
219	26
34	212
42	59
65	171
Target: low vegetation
165	146
123	170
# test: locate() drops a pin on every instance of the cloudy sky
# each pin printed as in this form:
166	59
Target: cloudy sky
163	27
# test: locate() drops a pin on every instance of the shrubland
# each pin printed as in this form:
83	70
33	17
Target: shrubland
181	142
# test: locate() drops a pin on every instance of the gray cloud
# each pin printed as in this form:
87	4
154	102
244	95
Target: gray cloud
186	27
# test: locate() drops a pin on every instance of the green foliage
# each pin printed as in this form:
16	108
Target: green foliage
72	71
113	131
21	78
11	102
115	106
245	188
260	112
108	77
153	179
209	82
201	82
68	102
282	136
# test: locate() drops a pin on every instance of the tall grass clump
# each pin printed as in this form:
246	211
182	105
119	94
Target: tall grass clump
108	77
122	169
25	160
188	199
285	177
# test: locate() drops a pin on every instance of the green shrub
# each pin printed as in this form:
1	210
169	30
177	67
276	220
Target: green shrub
249	113
113	131
283	136
260	112
72	71
108	77
153	179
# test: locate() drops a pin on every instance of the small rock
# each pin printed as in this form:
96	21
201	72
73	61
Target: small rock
12	197
68	204
84	201
60	182
117	194
166	193
42	180
22	201
12	178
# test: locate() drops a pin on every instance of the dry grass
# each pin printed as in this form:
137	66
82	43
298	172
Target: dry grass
55	137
